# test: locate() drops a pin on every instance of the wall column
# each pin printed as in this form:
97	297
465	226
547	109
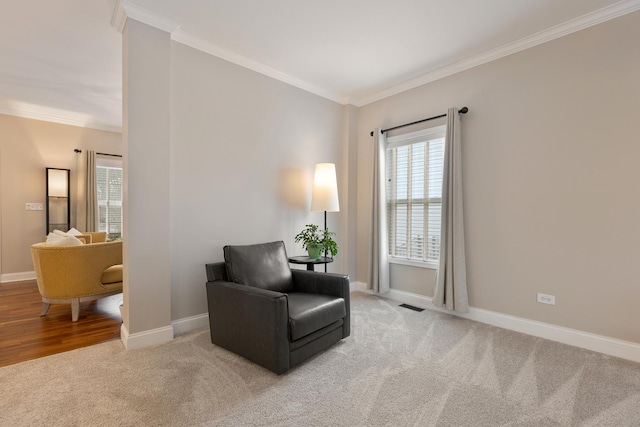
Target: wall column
146	312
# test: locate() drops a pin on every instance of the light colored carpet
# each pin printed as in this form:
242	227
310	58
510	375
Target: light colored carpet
399	368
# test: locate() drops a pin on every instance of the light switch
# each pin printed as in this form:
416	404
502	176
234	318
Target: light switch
34	207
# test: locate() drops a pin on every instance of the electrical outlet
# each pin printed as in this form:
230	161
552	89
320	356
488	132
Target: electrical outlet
547	299
34	207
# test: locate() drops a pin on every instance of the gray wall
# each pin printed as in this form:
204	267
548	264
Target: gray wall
243	150
552	186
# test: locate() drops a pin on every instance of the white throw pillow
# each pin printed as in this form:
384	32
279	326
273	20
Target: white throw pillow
74	232
54	239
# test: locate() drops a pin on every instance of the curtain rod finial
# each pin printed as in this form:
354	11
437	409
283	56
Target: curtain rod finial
463	110
75	150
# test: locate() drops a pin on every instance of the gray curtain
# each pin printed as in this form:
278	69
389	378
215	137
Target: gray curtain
379	248
91	192
81	220
451	279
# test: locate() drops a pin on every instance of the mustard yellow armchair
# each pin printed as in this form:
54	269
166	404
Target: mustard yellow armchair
75	274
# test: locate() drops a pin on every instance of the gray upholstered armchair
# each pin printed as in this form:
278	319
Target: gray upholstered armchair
274	316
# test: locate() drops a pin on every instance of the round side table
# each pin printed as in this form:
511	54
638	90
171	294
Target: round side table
310	261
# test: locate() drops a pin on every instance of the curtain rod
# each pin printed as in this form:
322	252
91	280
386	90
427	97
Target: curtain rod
463	110
75	150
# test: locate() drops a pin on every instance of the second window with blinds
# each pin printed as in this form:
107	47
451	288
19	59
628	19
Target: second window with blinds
109	186
414	196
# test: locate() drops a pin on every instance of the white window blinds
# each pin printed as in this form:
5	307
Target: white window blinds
109	182
414	194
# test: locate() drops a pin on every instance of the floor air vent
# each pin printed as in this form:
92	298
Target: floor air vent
412	307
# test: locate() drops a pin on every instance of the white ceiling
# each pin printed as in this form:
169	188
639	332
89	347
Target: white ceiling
61	60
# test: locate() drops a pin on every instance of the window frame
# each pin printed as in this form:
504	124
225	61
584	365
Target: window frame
405	139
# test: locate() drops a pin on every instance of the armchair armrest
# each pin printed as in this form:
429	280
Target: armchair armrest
251	322
216	271
336	285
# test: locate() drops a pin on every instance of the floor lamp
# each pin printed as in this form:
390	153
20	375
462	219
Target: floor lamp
325	193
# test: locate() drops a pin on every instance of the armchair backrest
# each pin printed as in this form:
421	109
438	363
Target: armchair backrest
97	236
264	266
89	237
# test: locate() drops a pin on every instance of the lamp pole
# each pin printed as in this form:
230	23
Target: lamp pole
325	232
325	194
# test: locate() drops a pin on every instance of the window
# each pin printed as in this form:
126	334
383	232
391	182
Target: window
109	182
414	196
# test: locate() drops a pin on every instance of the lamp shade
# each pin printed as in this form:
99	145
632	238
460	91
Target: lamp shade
58	182
325	189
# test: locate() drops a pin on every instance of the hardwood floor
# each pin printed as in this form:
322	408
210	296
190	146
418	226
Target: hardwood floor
24	335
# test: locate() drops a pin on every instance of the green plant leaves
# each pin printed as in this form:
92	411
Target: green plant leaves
313	235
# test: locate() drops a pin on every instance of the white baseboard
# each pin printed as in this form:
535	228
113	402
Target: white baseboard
145	338
599	343
165	334
188	324
357	286
17	277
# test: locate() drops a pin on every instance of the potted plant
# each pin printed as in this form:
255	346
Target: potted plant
316	241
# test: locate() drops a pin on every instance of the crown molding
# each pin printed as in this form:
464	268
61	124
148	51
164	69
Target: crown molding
198	43
124	9
118	17
46	117
585	21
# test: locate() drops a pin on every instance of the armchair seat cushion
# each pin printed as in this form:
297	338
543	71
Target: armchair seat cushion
311	312
112	274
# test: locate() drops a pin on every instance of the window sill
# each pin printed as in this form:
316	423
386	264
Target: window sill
413	263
